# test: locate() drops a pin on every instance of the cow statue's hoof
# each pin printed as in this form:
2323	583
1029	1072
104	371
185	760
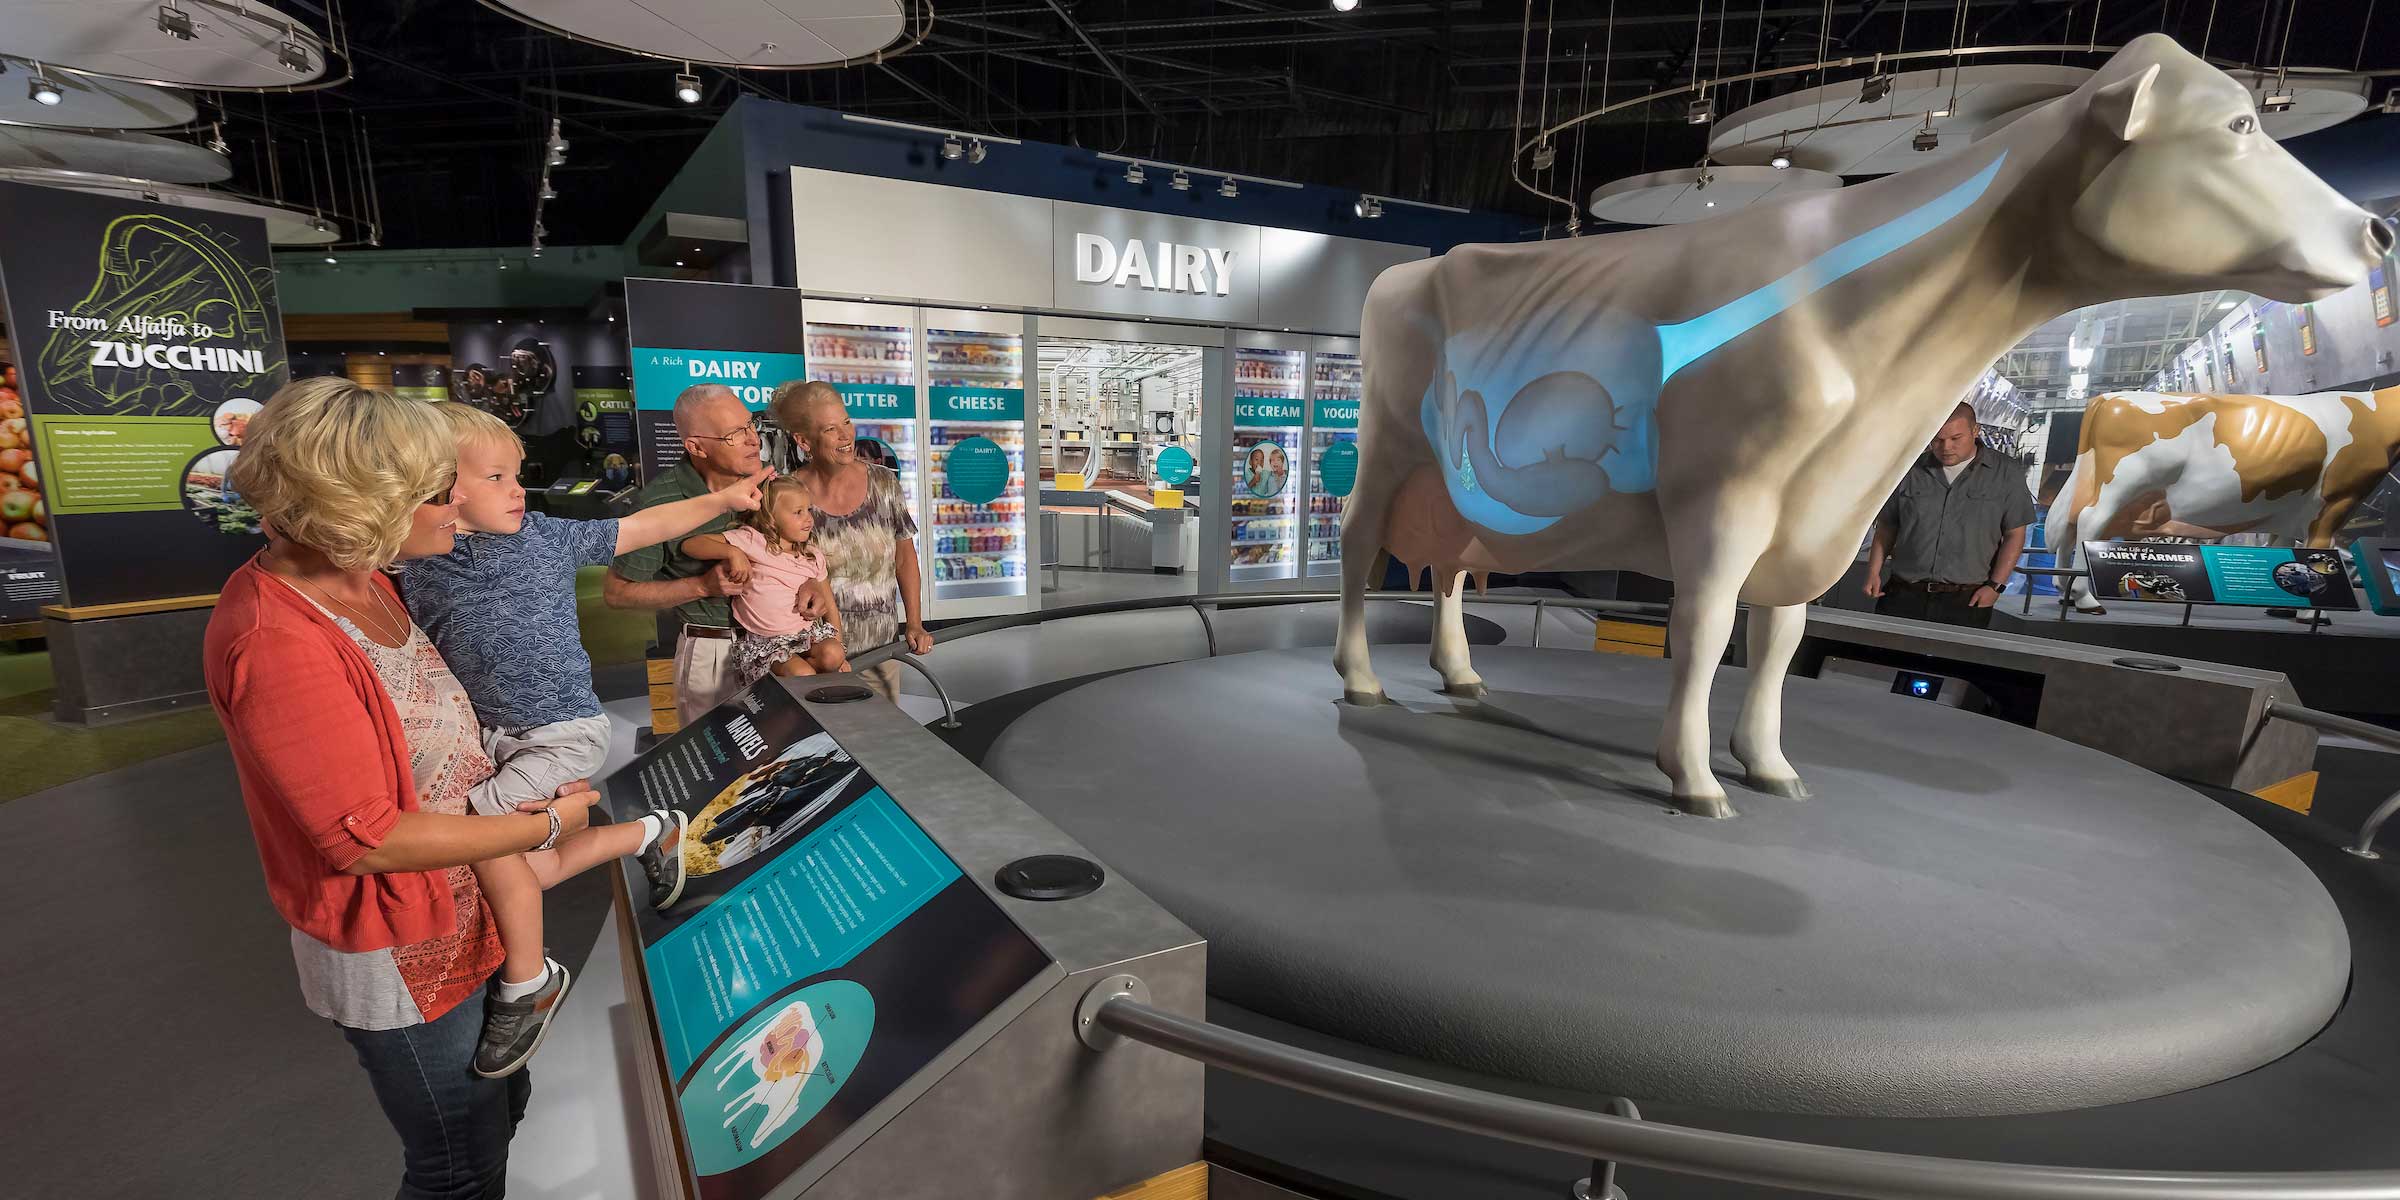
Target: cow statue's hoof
1786	787
1471	691
1364	699
1715	807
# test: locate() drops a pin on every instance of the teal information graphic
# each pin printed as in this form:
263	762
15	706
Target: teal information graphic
2276	577
977	470
811	909
1266	412
1334	412
660	375
977	404
1175	466
878	401
1337	468
775	1073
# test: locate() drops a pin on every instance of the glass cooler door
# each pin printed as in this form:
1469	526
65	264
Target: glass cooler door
975	464
868	353
1334	387
1267	421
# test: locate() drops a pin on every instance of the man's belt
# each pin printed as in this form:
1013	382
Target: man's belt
707	631
1936	587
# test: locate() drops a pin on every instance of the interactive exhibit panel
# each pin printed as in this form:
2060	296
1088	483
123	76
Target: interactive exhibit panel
2204	573
823	953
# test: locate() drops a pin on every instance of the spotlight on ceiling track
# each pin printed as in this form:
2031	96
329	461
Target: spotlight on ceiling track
1926	138
1875	89
548	192
1545	156
2277	100
1135	174
42	89
1368	207
1181	182
1345	5
216	139
2391	101
687	86
1783	158
331	260
977	151
1700	112
1229	189
953	149
175	22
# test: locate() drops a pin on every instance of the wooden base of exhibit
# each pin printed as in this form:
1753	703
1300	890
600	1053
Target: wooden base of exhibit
663	717
1188	1182
1638	638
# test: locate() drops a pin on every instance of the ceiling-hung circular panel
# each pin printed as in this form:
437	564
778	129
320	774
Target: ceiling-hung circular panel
140	155
1679	197
232	45
2318	101
285	226
89	101
1830	129
726	33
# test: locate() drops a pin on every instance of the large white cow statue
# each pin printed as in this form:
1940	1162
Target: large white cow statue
1727	404
2169	464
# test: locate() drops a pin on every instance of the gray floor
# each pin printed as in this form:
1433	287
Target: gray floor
1497	884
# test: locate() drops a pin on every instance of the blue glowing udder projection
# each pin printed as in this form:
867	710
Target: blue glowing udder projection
1522	444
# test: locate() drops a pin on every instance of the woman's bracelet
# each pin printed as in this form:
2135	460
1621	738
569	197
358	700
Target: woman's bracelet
552	840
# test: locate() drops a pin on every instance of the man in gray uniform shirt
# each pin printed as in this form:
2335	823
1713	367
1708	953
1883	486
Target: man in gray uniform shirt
1951	531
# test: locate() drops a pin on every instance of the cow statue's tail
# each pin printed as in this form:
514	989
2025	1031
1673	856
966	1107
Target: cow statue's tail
2062	533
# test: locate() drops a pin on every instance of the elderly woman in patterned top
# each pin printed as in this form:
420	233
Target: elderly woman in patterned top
864	528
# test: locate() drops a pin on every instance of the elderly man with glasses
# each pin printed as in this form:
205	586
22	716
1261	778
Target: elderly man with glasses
720	446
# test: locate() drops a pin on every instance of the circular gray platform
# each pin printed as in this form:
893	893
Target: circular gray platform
1970	918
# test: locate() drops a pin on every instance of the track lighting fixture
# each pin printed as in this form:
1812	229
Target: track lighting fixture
1345	5
1368	207
216	139
320	226
1135	174
1545	156
1926	138
1875	88
977	151
42	89
953	149
1229	189
332	261
1181	182
687	86
175	22
547	192
2277	100
1783	158
293	56
2391	102
1700	112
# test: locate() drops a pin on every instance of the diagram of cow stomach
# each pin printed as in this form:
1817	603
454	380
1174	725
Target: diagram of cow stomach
774	1074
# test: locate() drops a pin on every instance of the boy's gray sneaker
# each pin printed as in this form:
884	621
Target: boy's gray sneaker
662	859
513	1029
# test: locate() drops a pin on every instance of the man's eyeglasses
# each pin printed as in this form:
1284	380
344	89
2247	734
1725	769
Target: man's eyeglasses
746	433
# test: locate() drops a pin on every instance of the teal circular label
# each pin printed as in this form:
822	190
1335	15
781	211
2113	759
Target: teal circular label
977	470
1337	468
777	1071
1175	466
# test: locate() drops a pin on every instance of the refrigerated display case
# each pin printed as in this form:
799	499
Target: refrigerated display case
1268	401
1335	383
869	354
975	529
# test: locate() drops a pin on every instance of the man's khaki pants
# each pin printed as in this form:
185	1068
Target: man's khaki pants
703	675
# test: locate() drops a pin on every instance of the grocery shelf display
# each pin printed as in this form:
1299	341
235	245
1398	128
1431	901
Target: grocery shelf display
975	529
1268	390
874	367
1335	384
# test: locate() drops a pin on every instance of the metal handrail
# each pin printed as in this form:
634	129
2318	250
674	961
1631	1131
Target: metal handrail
949	713
2364	844
1770	1162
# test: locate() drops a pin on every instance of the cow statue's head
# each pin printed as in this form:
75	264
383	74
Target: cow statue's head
2195	195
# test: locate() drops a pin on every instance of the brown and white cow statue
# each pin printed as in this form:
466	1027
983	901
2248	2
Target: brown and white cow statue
1727	404
2151	464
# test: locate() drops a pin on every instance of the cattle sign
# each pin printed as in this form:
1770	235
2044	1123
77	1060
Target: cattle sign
2193	573
1724	403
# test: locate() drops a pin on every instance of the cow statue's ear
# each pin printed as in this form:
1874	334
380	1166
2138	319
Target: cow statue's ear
2125	108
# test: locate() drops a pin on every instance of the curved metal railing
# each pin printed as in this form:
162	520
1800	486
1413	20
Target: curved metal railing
1769	1162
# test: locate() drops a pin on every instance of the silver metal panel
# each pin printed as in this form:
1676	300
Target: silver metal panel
1317	282
141	155
285	226
232	46
780	33
1218	282
92	102
1068	328
861	235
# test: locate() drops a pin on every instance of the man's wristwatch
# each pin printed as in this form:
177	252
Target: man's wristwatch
552	840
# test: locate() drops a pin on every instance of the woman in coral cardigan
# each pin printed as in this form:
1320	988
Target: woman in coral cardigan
357	751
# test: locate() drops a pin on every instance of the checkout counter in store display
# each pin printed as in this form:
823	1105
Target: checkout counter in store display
870	986
1114	528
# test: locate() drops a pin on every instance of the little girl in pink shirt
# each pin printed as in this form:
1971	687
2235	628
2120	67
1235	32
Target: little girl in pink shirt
788	622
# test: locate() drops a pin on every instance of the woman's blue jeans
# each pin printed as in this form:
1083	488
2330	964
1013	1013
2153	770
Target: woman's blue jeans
454	1125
